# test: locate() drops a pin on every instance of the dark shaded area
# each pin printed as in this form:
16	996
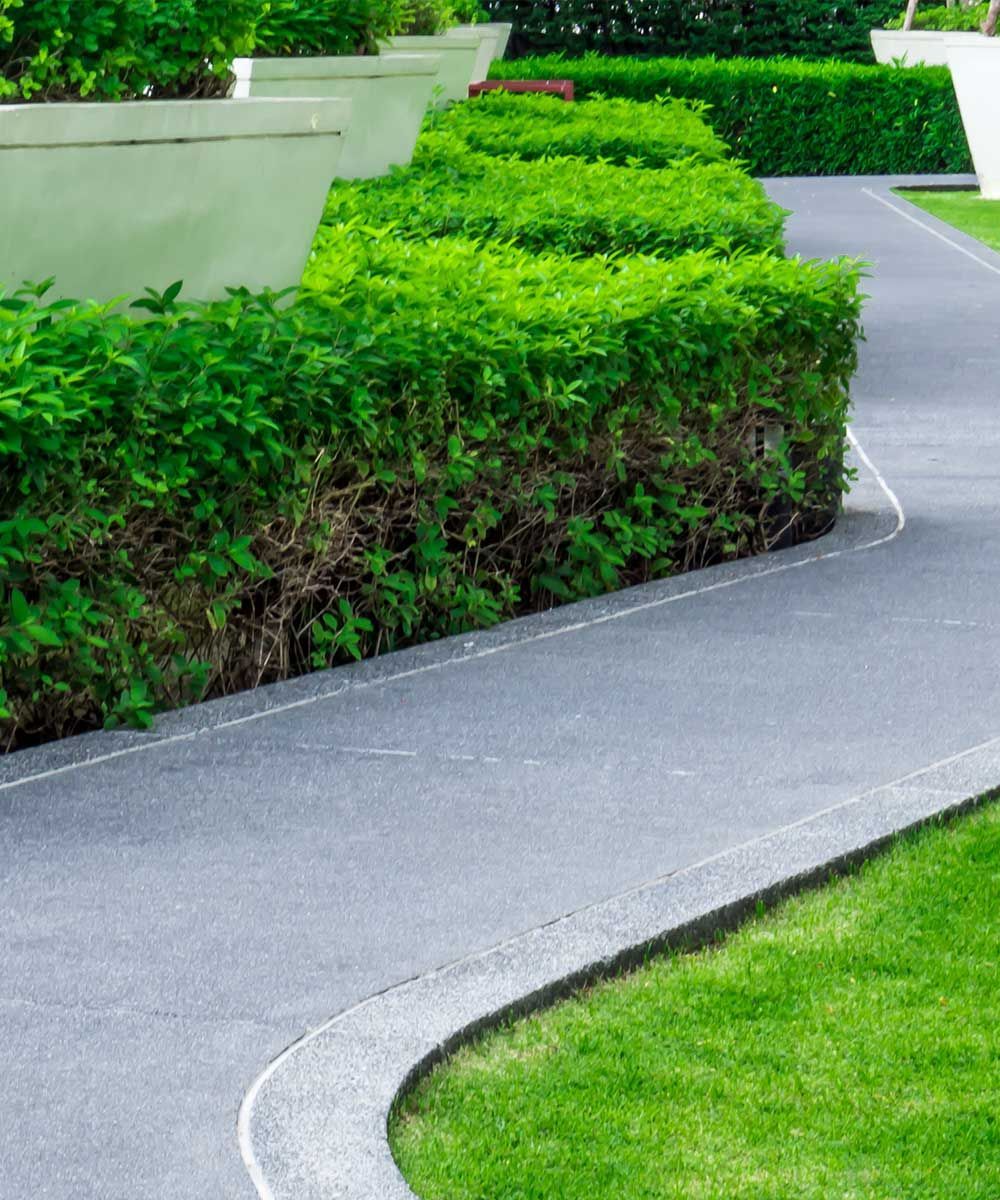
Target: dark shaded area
728	28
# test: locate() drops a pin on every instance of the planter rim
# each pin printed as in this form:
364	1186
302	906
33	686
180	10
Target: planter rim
471	30
971	41
928	35
133	122
434	43
353	66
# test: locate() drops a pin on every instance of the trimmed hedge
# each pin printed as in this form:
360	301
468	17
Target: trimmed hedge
564	204
815	29
792	118
623	132
437	438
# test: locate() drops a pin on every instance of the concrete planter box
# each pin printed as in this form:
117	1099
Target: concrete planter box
390	95
462	61
916	48
114	198
975	71
499	29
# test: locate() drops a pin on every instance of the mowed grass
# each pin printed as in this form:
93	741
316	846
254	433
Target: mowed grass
967	211
843	1047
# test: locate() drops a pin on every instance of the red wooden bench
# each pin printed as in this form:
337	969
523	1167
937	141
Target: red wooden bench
555	87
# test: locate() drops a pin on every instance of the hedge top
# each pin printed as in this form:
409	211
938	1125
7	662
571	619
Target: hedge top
618	131
565	204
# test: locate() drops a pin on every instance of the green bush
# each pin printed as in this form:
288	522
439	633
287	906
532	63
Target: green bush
469	12
564	204
792	118
121	49
727	28
622	132
939	16
435	438
428	17
320	27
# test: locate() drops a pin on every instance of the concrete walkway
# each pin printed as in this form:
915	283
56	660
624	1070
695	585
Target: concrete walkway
178	907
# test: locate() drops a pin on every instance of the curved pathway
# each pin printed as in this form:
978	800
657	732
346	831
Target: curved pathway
179	907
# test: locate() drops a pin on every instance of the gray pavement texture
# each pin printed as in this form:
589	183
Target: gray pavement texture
178	907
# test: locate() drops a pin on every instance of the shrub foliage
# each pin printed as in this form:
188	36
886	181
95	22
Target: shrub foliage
321	27
121	49
792	118
565	204
622	132
438	437
726	28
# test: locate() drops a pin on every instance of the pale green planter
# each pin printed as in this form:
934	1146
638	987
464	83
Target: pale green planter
114	198
913	47
461	62
390	96
975	71
499	29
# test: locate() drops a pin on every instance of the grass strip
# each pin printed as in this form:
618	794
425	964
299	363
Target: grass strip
844	1046
967	211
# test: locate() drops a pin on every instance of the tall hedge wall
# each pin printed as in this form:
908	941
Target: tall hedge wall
788	117
727	28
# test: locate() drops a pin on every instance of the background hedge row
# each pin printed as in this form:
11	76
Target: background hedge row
727	28
788	117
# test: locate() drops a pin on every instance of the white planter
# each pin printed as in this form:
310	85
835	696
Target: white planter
915	48
114	198
390	96
461	61
975	71
500	29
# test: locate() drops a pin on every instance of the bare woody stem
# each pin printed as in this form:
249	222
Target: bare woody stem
911	12
992	16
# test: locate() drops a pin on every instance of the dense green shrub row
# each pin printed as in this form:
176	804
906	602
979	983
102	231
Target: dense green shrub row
130	49
439	437
792	118
622	132
565	204
727	28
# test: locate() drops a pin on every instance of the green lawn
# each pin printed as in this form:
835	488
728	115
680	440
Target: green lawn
844	1047
965	210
